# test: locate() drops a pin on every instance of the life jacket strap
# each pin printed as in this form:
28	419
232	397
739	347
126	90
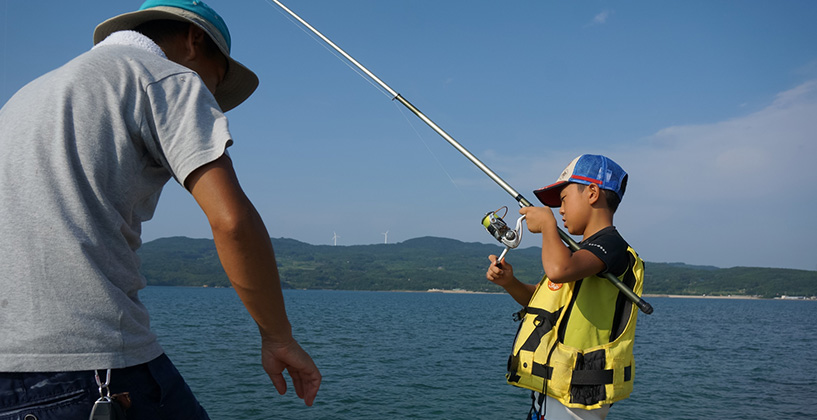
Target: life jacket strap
583	377
541	315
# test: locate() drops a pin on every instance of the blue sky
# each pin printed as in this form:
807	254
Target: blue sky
711	106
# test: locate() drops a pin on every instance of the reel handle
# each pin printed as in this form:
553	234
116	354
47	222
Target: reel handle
501	257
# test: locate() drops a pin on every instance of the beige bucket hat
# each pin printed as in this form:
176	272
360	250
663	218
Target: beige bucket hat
239	82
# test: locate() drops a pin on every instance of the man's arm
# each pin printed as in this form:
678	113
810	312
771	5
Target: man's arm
246	254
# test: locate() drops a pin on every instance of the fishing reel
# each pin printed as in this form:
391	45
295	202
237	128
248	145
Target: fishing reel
500	230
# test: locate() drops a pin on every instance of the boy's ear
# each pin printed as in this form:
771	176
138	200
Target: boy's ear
593	193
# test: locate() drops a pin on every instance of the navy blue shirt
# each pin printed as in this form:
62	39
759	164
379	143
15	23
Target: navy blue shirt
608	245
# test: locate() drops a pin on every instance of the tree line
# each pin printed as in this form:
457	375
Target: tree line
440	263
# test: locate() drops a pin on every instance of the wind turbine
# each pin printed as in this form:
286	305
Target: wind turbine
386	239
335	238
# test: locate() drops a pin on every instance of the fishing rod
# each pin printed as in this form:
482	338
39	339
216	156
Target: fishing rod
638	301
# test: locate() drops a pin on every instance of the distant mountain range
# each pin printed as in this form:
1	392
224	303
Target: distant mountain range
439	263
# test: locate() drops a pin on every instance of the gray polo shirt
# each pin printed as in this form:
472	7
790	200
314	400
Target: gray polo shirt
85	152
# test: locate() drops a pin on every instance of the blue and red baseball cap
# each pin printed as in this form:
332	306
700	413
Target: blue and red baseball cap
586	169
239	81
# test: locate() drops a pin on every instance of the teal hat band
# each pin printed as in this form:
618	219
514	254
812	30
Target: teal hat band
197	7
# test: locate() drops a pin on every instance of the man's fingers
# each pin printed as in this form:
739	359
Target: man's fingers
297	383
279	382
311	389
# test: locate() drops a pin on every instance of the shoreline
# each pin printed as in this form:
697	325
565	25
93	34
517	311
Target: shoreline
740	297
460	291
473	292
646	295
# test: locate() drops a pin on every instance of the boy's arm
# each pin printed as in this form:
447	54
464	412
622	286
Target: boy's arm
560	263
246	254
503	276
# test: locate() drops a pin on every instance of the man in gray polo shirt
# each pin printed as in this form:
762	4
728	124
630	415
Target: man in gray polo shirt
88	148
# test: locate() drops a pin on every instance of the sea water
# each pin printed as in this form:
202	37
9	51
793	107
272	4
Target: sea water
401	355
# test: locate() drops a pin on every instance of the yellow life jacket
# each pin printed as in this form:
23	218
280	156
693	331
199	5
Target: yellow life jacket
595	368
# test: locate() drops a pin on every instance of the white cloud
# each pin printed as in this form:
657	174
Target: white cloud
601	18
736	192
752	154
808	70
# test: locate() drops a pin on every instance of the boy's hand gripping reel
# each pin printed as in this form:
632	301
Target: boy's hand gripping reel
500	230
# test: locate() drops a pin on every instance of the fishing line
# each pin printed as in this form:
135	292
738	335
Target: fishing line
326	46
5	48
323	42
522	201
422	139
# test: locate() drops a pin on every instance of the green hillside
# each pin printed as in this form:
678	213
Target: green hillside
439	263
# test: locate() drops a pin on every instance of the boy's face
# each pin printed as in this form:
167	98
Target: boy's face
575	208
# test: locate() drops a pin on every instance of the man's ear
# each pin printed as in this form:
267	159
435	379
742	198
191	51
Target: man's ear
193	42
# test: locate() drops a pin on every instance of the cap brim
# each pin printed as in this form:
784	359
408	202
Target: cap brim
549	195
239	82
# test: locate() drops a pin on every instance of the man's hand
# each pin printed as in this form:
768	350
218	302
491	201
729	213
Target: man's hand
305	376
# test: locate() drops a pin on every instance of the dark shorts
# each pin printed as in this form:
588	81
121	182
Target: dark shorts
156	388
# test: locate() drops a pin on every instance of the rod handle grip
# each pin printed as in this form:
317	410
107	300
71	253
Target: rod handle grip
644	306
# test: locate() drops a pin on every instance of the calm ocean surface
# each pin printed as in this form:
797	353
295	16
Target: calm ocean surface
393	355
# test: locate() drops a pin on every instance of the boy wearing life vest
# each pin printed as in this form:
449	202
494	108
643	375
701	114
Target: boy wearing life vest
574	345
